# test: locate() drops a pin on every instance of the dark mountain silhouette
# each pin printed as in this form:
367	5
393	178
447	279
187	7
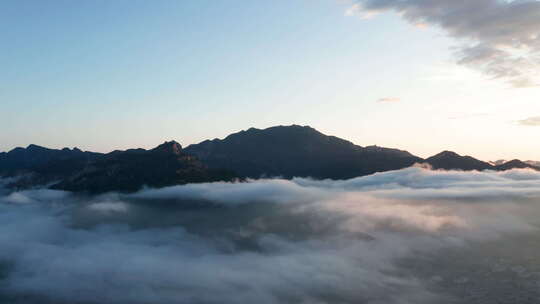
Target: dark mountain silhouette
282	151
130	170
290	151
449	160
21	159
37	165
516	163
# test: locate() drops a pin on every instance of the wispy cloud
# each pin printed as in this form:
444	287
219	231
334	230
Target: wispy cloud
467	115
530	122
389	99
499	38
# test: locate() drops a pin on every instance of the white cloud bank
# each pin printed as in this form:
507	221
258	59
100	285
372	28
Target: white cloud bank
500	38
407	236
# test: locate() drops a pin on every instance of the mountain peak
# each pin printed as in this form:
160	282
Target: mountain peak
294	127
446	154
294	150
515	163
33	147
169	147
282	128
449	160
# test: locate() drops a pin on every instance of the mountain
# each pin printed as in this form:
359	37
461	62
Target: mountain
33	156
449	160
515	164
498	162
36	165
130	170
290	151
282	151
533	163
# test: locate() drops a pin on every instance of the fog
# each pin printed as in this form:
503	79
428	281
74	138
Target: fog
407	236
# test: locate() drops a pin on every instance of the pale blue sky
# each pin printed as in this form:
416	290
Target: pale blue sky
105	75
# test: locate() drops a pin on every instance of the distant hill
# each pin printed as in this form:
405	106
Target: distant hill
515	164
282	151
448	160
21	159
289	151
36	165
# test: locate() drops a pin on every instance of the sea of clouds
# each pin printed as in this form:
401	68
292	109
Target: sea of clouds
407	236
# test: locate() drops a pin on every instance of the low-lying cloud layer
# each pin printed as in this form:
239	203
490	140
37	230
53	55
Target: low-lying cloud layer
498	37
408	236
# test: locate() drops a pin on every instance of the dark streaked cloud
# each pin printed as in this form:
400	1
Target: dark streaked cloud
500	38
407	236
530	122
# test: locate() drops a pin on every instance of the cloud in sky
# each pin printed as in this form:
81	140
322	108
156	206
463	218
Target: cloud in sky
467	115
499	38
530	122
394	237
389	99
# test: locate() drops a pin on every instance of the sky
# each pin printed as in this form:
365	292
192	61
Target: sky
423	76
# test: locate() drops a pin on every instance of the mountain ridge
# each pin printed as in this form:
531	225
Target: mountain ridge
289	151
280	151
130	170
